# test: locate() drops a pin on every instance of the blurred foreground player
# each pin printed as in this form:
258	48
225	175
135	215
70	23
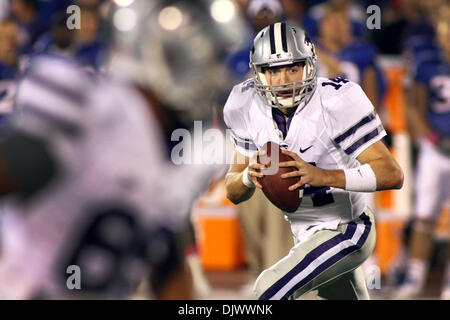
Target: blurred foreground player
332	131
430	124
84	166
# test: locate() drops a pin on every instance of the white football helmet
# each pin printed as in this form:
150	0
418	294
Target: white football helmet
283	44
176	47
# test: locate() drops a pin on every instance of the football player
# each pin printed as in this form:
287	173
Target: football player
93	198
430	119
333	134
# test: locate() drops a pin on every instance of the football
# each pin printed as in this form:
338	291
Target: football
274	187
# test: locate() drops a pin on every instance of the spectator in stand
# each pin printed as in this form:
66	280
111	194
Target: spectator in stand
342	54
260	13
84	44
57	40
88	46
49	8
419	35
295	13
25	14
356	13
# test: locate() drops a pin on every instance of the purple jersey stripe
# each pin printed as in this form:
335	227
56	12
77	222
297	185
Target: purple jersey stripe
63	125
246	145
362	141
313	255
308	259
64	90
353	129
280	119
331	261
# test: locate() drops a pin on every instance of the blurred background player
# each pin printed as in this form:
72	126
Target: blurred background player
341	54
430	119
84	166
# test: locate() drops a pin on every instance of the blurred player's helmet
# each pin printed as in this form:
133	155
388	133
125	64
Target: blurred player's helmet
282	44
175	47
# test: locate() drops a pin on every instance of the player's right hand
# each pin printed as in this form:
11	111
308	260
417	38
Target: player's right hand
254	169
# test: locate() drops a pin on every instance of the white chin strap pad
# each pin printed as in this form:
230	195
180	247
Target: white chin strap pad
262	76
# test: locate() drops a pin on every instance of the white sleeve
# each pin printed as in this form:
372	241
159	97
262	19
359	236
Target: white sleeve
52	104
175	187
179	188
235	117
353	121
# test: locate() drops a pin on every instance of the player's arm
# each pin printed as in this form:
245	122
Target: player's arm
378	171
240	180
26	164
387	171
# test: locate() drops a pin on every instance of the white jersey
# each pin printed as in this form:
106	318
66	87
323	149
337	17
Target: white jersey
113	166
337	124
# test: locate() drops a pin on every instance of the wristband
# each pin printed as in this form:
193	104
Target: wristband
246	181
360	179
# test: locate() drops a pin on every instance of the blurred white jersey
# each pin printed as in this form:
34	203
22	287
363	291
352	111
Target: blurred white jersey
114	180
337	124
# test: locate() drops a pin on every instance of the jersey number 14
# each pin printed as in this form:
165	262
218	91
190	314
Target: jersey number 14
335	82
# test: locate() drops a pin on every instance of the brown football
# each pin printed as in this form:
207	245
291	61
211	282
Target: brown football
274	187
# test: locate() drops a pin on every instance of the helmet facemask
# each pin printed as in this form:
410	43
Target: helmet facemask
300	91
283	45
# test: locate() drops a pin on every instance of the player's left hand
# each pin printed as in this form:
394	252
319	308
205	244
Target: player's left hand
308	173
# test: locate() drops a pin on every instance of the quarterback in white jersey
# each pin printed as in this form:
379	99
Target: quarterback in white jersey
331	130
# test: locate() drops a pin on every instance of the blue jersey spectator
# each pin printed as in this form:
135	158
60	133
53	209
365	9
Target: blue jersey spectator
355	12
49	8
434	74
355	58
342	54
84	45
